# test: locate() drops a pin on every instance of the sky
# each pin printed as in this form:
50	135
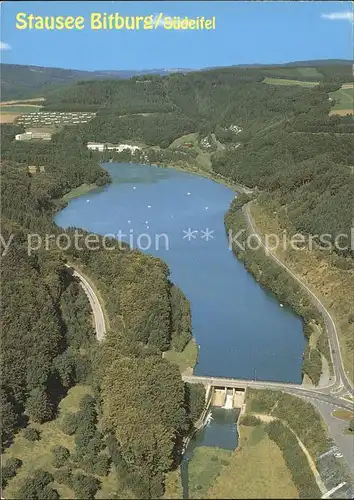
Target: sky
245	33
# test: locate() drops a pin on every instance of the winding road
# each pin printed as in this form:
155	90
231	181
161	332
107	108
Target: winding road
341	384
97	311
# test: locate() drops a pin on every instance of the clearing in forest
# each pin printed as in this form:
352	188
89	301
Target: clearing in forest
284	81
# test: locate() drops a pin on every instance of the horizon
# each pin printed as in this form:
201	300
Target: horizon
245	65
246	33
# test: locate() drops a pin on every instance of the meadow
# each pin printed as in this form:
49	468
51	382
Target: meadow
343	100
284	81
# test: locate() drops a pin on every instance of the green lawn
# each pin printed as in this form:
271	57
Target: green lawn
343	99
204	467
193	138
202	158
292	72
173	486
256	470
19	109
80	190
309	72
187	359
283	81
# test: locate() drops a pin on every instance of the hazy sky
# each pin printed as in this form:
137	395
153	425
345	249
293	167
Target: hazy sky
246	32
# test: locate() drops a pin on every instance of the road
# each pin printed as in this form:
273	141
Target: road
97	311
314	393
341	383
325	399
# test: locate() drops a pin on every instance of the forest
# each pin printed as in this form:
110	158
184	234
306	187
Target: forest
50	343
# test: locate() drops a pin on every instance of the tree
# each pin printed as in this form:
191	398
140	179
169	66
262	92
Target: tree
96	444
194	400
42	478
102	465
69	423
9	470
38	405
60	456
65	366
48	493
85	486
63	476
36	487
8	418
31	434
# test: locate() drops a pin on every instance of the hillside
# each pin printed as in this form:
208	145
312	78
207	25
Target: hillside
21	81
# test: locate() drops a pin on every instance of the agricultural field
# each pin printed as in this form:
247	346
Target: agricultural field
283	81
294	73
54	118
10	111
20	108
343	100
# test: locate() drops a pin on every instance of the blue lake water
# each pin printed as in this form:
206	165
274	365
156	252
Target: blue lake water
241	329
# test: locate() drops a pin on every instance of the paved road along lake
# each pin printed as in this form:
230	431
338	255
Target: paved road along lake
241	329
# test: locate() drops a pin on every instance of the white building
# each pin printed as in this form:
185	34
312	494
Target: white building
99	146
96	146
28	136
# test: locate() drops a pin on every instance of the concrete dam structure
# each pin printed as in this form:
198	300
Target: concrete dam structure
227	397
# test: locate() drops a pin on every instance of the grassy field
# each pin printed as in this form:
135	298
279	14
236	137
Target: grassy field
298	414
204	468
9	111
80	190
344	100
20	109
256	470
35	455
283	81
22	101
192	138
173	486
294	73
202	158
187	359
343	414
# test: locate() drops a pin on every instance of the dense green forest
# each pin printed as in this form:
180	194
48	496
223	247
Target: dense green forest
49	343
20	81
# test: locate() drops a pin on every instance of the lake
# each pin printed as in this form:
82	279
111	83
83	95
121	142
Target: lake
240	328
